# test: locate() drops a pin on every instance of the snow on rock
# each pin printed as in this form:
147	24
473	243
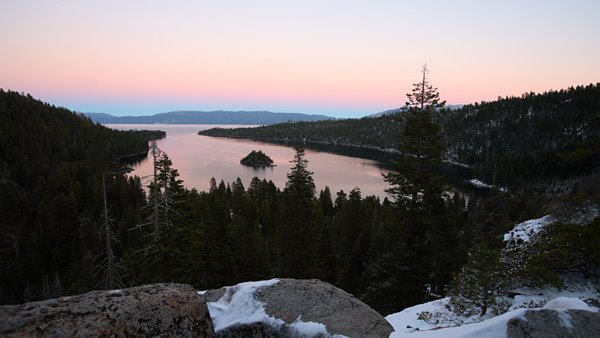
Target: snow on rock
238	306
320	302
522	232
566	303
554	323
310	329
562	304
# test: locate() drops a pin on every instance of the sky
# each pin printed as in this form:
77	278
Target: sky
342	58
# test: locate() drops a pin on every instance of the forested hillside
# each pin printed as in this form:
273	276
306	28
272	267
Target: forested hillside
536	136
516	142
380	132
51	166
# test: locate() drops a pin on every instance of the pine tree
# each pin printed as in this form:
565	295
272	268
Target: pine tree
299	232
166	192
420	146
326	202
164	189
420	223
170	187
154	198
478	284
328	262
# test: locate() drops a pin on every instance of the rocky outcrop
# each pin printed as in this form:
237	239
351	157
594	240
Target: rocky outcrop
291	306
165	310
561	323
267	309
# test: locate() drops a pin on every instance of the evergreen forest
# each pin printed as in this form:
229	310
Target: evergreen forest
72	219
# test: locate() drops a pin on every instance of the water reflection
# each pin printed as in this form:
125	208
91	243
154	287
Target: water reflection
198	158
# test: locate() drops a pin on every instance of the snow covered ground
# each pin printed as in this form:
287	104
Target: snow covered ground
491	328
407	324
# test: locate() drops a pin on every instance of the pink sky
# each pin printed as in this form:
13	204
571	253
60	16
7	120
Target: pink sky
340	58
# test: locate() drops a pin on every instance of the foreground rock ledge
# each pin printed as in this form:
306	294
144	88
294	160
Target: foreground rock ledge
158	310
555	324
311	301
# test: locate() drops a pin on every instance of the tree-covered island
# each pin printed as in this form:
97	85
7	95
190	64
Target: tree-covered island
257	159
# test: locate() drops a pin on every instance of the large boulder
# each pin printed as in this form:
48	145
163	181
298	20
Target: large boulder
289	307
159	310
550	323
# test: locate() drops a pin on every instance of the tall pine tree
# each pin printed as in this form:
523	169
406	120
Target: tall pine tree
299	229
406	270
420	145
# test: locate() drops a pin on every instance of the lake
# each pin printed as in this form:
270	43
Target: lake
198	158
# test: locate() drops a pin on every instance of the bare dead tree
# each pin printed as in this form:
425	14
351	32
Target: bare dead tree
108	266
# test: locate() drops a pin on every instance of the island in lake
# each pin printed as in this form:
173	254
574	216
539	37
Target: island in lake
257	159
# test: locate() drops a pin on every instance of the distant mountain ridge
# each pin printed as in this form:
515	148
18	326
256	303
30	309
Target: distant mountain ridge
208	117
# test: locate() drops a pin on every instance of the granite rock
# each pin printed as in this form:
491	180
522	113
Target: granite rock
158	310
561	323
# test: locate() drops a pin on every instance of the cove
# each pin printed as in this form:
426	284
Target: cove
198	158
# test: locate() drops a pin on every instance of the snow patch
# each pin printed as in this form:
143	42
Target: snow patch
310	329
479	184
568	303
522	232
238	306
202	292
409	319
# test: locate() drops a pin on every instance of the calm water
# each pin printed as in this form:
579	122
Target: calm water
198	158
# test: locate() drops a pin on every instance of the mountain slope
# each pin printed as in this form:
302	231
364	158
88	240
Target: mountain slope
535	136
51	167
208	117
